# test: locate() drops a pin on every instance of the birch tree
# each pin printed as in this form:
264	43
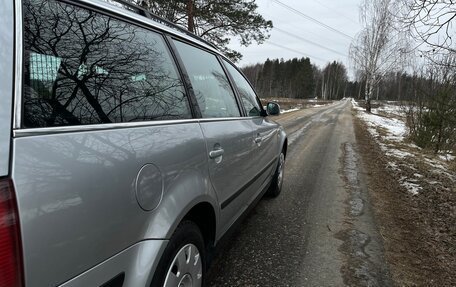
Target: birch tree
379	47
431	22
334	81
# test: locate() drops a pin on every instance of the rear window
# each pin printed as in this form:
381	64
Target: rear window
82	67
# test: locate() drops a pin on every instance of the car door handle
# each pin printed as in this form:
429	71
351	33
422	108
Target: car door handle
216	153
258	140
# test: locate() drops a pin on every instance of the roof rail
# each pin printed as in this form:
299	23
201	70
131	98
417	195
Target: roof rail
143	12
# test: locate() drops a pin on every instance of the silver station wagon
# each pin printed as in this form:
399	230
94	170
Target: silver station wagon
128	147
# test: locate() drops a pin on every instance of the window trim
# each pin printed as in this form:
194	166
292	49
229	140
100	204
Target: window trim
29	132
185	78
233	87
129	17
19	51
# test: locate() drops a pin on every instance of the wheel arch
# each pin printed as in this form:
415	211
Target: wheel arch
283	141
204	216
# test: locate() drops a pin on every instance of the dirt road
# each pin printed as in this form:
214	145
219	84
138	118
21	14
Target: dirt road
320	231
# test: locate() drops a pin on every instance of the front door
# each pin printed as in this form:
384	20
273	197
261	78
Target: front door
229	138
265	132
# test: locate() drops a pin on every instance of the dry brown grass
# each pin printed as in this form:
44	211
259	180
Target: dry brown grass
419	231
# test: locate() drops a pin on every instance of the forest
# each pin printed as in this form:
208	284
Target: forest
300	79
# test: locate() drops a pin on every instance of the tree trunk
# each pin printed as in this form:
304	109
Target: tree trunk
323	95
359	90
190	26
368	94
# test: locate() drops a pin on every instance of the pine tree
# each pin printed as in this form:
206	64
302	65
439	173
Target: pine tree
216	21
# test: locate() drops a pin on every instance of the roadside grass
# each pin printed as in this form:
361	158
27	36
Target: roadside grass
453	166
415	200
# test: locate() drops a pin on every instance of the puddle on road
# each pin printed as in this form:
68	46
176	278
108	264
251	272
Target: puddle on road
359	268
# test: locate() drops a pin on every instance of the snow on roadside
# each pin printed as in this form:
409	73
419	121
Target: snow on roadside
299	106
390	109
395	128
447	157
410	185
289	110
390	133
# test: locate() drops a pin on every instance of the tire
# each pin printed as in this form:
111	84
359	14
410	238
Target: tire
277	181
183	261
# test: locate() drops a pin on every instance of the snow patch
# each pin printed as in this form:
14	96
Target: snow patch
410	185
395	128
434	164
289	110
447	157
398	153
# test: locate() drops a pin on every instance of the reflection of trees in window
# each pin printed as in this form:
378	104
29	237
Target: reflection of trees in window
228	98
84	68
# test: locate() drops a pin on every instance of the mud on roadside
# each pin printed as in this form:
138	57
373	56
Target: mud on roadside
361	242
419	231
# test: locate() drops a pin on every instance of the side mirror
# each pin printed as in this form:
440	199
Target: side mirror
273	109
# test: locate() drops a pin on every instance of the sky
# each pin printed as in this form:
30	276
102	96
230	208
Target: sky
295	31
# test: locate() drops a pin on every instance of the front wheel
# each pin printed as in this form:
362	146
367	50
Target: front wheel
277	181
183	261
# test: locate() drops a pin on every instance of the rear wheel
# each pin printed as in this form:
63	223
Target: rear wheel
277	181
183	261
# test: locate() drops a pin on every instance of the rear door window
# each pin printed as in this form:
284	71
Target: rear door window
249	99
82	67
212	89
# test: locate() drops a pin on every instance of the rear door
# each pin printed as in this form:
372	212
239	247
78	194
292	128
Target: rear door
229	138
265	131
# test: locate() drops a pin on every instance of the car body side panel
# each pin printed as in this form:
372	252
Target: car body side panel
136	263
76	193
231	173
6	81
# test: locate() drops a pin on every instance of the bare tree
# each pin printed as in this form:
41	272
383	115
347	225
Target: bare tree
431	115
379	47
334	81
431	22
